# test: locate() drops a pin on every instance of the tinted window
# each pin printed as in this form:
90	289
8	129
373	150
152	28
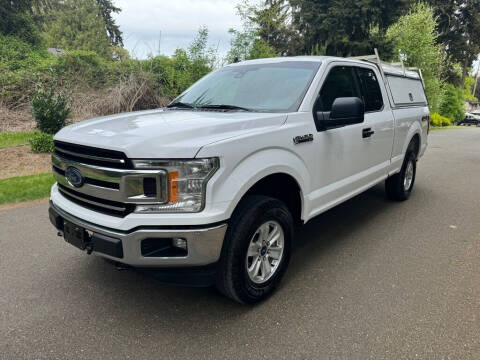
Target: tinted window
372	93
340	83
275	87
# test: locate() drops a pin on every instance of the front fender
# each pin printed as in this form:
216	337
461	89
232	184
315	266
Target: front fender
249	170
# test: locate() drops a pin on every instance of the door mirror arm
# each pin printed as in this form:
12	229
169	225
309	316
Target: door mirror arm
320	122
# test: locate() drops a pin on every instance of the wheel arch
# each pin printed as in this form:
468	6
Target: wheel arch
283	187
415	141
287	180
414	134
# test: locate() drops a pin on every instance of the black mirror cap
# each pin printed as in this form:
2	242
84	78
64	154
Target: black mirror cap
348	108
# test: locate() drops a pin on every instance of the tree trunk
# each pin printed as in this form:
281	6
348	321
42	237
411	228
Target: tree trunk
464	73
476	80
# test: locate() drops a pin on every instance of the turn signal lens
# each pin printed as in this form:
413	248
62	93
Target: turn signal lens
173	184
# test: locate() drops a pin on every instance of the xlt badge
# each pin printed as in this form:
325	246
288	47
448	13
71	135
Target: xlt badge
303	138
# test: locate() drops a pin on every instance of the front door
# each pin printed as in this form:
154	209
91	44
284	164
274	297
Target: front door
351	157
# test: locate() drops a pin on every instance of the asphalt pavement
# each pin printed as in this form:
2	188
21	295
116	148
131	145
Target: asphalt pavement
370	279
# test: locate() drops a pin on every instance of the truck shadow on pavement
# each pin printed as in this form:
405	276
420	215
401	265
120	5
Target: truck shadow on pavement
140	299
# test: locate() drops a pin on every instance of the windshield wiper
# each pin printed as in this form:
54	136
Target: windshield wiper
224	107
180	105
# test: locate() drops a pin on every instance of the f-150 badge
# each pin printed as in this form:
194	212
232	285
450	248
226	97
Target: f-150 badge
302	139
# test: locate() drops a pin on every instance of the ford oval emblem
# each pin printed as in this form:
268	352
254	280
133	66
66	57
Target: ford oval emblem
74	177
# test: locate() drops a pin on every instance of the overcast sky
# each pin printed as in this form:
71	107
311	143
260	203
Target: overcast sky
142	22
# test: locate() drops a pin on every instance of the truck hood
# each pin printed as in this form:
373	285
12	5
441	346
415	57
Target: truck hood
165	133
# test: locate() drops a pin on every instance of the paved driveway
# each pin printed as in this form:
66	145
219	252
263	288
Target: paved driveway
369	279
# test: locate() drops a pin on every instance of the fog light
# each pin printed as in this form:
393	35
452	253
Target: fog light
179	243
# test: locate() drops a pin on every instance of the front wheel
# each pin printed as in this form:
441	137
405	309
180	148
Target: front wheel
257	249
399	186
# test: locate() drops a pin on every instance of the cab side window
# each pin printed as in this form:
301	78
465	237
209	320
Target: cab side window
371	89
340	82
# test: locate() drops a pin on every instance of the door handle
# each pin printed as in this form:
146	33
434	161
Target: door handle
367	132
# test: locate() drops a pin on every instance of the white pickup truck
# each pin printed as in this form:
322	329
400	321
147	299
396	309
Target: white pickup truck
211	188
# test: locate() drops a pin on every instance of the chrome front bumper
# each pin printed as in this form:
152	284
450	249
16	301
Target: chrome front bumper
204	244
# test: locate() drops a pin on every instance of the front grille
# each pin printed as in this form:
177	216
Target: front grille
96	182
101	205
108	183
91	155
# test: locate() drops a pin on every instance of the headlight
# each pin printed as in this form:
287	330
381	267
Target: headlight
187	181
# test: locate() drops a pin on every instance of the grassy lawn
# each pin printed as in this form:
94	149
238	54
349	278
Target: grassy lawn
24	188
15	138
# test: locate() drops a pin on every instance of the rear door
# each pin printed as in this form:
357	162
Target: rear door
379	119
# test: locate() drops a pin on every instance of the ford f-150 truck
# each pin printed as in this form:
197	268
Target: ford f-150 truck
213	186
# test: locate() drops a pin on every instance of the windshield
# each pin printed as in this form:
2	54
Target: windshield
273	87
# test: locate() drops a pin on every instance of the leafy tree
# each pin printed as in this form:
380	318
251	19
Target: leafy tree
415	40
459	29
467	91
199	50
261	49
247	44
202	58
79	26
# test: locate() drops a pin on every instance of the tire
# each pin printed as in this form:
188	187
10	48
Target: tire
254	216
397	187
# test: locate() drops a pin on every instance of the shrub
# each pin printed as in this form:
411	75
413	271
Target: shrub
51	109
21	66
453	103
131	93
438	120
82	66
41	143
16	54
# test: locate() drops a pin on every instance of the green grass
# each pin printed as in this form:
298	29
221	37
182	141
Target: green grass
24	188
8	139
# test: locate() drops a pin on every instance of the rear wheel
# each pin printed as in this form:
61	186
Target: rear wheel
399	186
257	249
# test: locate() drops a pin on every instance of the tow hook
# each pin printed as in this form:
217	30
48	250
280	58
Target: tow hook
89	248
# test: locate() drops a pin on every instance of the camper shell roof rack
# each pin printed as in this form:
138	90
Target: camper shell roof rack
395	69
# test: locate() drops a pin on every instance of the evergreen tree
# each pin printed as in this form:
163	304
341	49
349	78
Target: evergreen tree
78	25
275	26
114	34
453	104
16	19
459	30
345	27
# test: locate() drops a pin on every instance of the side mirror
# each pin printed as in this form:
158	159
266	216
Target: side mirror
345	111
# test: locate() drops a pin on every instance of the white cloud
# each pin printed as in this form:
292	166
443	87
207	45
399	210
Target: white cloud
178	21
